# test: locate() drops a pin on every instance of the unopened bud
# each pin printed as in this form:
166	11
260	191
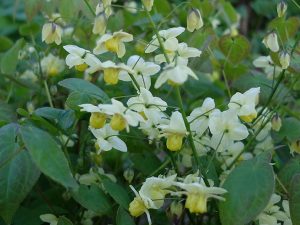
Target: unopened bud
281	8
271	42
194	20
295	146
128	175
100	23
176	208
284	60
30	107
276	123
148	4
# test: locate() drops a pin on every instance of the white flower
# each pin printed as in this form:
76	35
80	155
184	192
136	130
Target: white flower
76	57
52	65
281	8
169	39
226	128
175	75
107	139
266	63
113	43
244	104
148	4
198	193
200	116
29	75
194	20
49	218
181	53
104	6
122	117
284	59
51	32
175	131
271	42
142	71
131	6
146	103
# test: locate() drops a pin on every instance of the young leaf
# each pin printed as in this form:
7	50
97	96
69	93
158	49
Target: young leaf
18	174
250	186
295	200
234	48
117	192
47	155
10	58
92	198
123	218
83	86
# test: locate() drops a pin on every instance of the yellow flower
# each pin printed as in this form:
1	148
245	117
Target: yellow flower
137	207
97	120
52	65
118	122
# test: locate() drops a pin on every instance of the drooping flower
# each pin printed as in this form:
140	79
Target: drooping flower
98	117
100	23
200	116
104	6
281	8
194	20
113	43
76	57
146	104
198	194
284	60
107	139
174	75
170	41
141	70
226	128
271	42
52	65
244	104
175	131
51	32
122	117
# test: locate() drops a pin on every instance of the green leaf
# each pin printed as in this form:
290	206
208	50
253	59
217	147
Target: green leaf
287	173
83	86
5	43
18	174
290	129
123	218
67	9
77	98
10	58
230	13
29	29
285	28
62	220
47	155
234	48
92	198
294	200
64	118
117	192
250	186
145	166
7	113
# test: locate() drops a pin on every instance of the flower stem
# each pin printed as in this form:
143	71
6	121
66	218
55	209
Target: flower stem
48	93
90	7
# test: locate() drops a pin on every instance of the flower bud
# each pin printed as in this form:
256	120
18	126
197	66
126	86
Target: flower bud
148	4
176	208
276	123
128	175
97	120
281	8
194	20
30	107
100	23
174	142
295	146
271	42
118	122
51	32
284	60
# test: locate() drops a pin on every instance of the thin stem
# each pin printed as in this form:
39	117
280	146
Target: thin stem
190	137
227	84
48	93
90	7
296	3
134	81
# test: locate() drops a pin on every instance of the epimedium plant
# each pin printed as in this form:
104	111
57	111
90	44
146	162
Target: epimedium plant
150	112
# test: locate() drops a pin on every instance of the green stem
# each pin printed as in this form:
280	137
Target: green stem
48	93
296	3
134	81
90	7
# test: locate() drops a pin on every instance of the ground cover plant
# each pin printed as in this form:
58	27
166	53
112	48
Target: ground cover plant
149	112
